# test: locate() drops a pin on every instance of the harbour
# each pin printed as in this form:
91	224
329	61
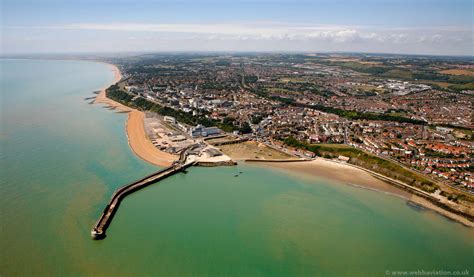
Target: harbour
98	231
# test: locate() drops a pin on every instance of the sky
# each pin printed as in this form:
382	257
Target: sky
433	27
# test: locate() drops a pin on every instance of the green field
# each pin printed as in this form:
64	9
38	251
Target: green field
398	73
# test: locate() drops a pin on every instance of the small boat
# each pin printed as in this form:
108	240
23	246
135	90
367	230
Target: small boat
236	175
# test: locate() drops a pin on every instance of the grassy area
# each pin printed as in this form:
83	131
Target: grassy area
292	80
335	146
280	90
468	86
369	89
398	74
466	72
446	85
434	83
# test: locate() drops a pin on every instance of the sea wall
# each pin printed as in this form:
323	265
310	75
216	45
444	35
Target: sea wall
214	164
277	160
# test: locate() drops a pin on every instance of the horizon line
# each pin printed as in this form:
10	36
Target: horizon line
196	52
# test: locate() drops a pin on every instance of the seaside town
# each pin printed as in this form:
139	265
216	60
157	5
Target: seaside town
314	99
237	138
406	121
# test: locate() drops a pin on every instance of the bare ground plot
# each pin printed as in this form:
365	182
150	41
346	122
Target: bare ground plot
253	150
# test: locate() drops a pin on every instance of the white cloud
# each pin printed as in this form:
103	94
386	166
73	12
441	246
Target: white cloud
282	31
257	36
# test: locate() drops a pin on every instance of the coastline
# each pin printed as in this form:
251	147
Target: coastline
320	168
354	176
135	131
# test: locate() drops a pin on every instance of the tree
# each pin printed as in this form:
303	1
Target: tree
245	129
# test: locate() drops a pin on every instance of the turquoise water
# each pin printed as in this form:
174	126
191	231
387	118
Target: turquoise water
61	159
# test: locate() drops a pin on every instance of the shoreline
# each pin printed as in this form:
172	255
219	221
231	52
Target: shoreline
347	174
320	168
135	131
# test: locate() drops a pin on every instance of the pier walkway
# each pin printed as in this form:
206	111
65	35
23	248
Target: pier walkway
98	231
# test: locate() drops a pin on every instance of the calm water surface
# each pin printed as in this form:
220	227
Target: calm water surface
62	158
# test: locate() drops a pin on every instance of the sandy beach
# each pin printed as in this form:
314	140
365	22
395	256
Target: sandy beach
137	138
140	143
349	175
325	169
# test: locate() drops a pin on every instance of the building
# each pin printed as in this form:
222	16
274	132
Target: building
444	129
170	119
343	158
201	131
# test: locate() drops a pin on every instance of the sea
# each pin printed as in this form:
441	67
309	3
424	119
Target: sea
62	158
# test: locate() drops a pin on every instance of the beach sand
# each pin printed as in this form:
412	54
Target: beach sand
349	175
325	169
137	138
140	143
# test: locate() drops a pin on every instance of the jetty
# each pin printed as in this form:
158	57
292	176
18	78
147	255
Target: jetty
98	231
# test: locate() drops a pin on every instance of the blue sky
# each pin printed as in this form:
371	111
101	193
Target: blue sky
442	27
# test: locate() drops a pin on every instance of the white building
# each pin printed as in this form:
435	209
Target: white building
170	119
